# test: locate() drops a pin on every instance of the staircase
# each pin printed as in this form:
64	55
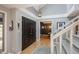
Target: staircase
65	41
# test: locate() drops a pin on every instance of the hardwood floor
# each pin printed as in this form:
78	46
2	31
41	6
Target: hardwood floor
44	41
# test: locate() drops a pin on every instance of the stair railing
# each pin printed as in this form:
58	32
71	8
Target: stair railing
70	22
58	35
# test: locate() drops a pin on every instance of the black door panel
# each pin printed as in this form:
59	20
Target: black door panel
28	32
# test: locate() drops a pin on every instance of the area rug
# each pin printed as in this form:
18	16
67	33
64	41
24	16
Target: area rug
42	50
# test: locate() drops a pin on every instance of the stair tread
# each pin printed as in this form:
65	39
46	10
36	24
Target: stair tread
66	46
76	43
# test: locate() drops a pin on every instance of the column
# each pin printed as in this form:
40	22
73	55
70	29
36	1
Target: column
38	33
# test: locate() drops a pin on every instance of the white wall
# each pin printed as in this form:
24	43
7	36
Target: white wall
17	33
14	38
55	20
7	34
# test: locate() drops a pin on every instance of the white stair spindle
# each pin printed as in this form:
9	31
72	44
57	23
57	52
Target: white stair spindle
71	39
52	46
60	38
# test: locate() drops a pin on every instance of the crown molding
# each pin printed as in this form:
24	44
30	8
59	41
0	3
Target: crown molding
29	13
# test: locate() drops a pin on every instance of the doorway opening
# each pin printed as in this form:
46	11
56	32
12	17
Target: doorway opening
1	32
45	33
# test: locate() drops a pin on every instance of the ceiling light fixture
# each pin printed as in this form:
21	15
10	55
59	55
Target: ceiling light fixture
39	13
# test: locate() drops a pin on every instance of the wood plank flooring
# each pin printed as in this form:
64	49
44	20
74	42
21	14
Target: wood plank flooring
44	41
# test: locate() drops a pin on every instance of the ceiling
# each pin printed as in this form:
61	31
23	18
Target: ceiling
75	13
36	6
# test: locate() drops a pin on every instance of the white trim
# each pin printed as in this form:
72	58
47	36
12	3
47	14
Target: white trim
42	20
29	13
53	16
19	52
5	31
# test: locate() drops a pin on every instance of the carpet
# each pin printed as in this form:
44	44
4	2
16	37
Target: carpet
42	50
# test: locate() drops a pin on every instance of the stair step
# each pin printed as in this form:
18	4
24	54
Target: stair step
75	50
76	43
66	46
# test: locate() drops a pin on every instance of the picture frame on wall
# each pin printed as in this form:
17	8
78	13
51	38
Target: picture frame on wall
60	24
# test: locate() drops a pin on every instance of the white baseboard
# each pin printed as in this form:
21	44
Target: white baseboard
4	52
19	52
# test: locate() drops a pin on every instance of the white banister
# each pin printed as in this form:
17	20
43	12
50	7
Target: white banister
71	39
66	29
70	34
60	43
70	22
52	44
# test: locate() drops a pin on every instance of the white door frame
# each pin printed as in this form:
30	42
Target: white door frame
5	31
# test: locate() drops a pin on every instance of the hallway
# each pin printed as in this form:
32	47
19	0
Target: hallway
39	29
24	26
45	41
